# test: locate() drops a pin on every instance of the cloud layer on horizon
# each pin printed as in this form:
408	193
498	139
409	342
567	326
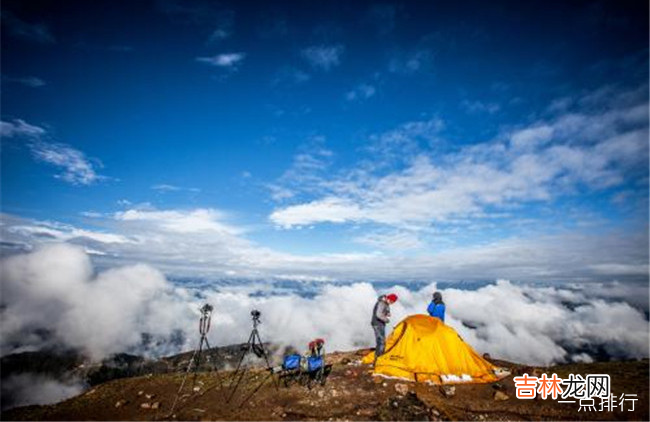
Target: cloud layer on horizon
204	243
107	312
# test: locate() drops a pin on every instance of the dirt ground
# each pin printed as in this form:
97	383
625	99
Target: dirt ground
350	393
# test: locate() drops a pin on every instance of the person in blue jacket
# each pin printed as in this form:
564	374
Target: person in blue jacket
437	307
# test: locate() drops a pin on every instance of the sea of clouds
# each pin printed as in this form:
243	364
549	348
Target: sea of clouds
54	297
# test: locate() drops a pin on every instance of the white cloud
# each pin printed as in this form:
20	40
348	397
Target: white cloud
404	141
99	315
405	183
203	243
391	241
19	128
28	389
531	137
326	210
163	187
543	325
361	92
307	171
288	76
63	232
34	32
30	81
77	168
525	323
226	60
480	107
323	57
193	221
219	34
411	62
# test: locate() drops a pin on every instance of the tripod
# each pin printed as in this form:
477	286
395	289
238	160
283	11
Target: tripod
204	327
255	345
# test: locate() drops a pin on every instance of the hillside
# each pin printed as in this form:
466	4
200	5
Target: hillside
350	393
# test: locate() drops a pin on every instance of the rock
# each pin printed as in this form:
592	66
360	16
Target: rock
284	415
156	405
500	396
120	403
434	417
196	389
384	384
345	361
434	412
401	389
150	396
377	380
366	412
91	391
348	373
486	356
447	391
320	394
334	393
140	393
145	405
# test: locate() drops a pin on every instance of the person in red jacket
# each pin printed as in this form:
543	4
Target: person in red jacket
381	317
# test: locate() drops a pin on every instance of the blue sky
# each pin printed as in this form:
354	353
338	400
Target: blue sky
331	140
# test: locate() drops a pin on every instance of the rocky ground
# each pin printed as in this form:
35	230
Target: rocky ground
350	392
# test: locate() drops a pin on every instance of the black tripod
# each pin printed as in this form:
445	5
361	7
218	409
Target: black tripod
255	345
195	360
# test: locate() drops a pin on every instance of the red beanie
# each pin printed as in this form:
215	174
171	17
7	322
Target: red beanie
392	297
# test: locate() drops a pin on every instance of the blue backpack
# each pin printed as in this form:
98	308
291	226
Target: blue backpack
314	363
291	362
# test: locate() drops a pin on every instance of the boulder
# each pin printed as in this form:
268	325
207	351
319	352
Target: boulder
447	391
401	389
500	396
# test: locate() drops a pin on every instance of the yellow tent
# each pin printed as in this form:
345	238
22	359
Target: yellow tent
422	348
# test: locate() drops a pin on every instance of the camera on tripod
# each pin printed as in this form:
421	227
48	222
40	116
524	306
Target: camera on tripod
206	309
256	314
